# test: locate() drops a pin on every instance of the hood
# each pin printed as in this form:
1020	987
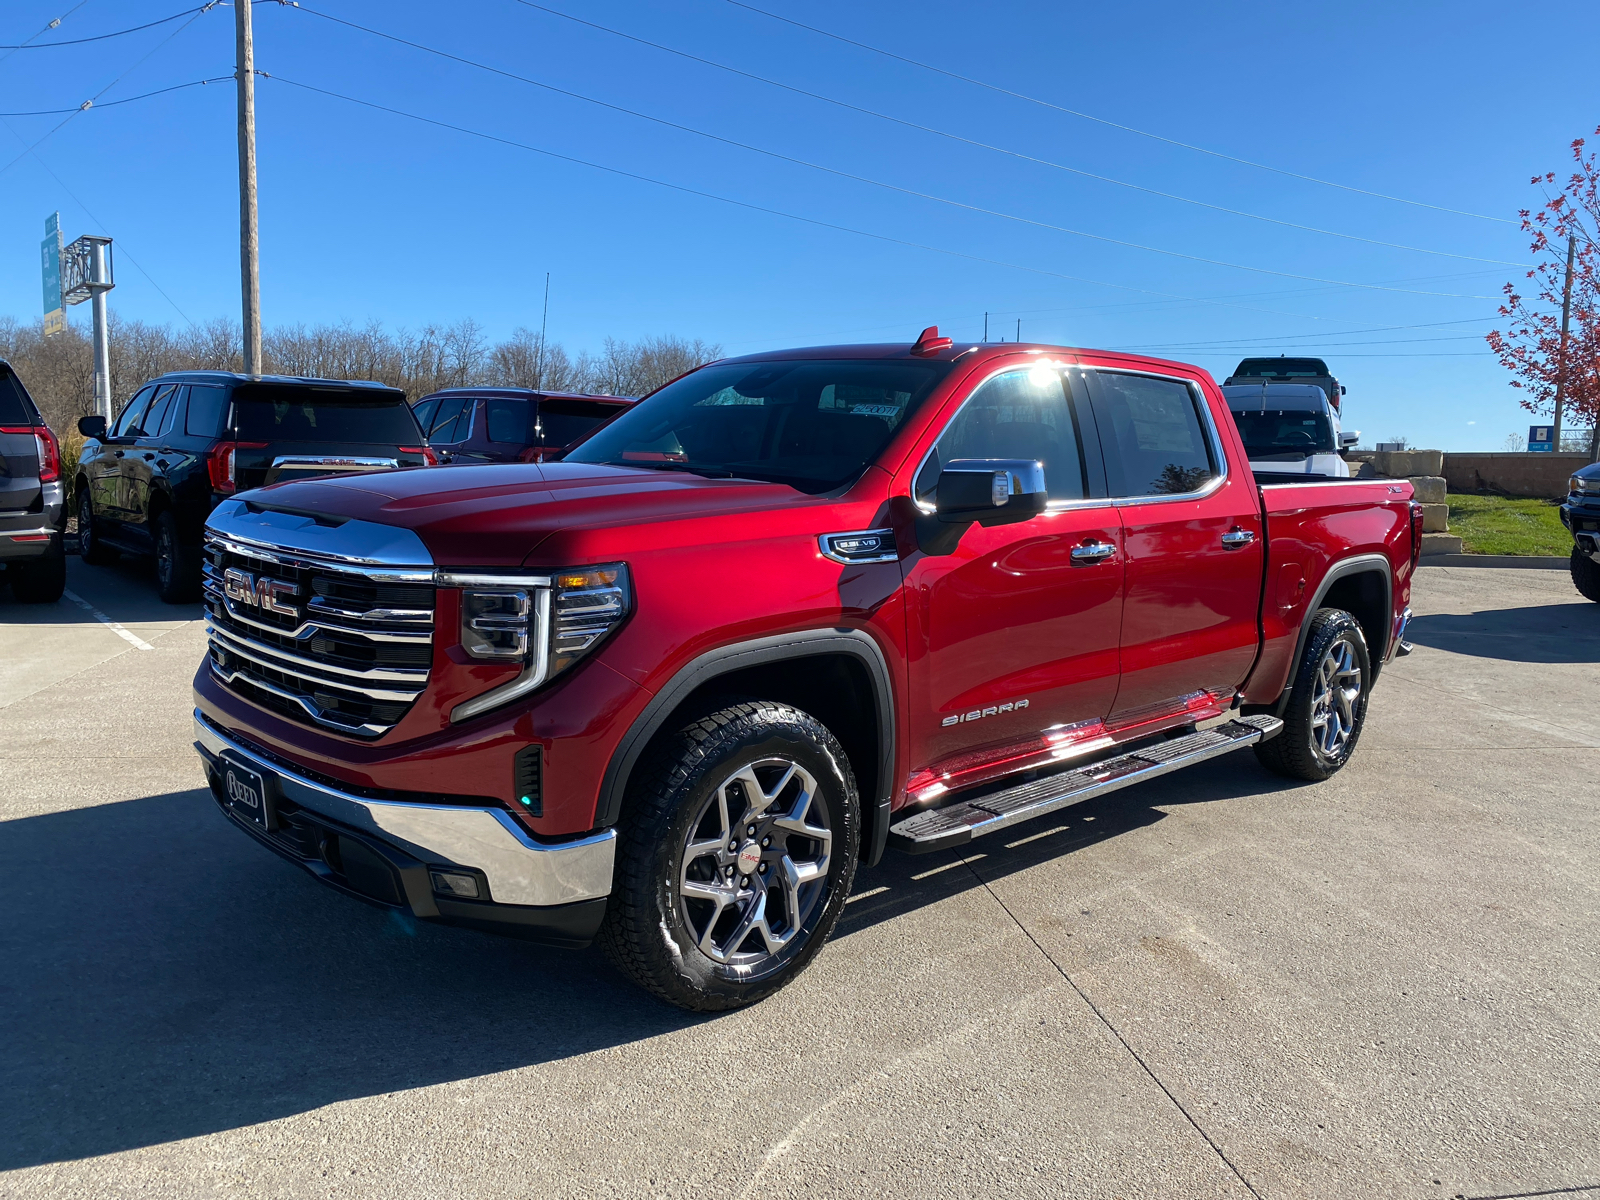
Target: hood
497	515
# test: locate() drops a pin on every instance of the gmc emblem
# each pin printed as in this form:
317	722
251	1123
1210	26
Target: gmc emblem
259	592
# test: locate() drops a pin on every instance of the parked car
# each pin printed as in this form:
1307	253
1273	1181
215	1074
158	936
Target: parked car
511	424
1289	429
33	506
190	438
1289	370
785	612
1580	513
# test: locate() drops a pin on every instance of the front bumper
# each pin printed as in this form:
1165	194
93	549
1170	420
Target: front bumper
388	852
1582	518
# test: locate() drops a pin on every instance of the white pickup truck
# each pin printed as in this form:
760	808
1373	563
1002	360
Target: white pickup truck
1290	429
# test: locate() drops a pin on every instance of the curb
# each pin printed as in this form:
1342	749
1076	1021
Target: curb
1526	562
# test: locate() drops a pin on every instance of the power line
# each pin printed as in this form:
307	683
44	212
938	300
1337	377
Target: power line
1300	337
956	137
52	25
866	179
194	16
1113	124
30	44
178	87
745	204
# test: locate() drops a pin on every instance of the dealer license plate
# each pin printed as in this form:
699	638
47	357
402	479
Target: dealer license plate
246	793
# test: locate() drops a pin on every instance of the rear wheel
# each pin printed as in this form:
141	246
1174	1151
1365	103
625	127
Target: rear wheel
90	548
736	855
1585	575
1328	704
41	580
177	565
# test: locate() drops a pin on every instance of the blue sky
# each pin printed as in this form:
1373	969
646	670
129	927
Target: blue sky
367	215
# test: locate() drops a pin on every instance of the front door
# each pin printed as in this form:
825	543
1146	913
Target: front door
1013	638
1193	538
143	460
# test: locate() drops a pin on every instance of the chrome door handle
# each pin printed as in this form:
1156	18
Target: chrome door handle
1093	552
1236	538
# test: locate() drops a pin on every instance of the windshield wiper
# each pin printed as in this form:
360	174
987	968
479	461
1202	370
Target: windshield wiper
655	464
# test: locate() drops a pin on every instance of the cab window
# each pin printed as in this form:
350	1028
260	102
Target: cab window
1153	436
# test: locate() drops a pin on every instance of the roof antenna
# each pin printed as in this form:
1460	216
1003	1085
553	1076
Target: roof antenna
929	342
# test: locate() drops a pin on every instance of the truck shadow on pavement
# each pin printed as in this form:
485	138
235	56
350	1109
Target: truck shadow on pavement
168	978
1538	633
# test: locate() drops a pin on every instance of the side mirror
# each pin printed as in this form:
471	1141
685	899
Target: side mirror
92	427
1343	390
1349	440
992	491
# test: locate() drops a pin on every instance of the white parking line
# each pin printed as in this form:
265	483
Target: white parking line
136	642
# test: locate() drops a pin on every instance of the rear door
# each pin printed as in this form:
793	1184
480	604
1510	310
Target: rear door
451	425
139	462
1193	541
107	490
508	428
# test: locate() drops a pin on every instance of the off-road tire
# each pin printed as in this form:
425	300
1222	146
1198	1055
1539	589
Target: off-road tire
40	580
91	548
177	565
644	932
1585	575
1296	752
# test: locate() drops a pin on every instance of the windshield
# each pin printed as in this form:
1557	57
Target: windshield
292	413
1284	434
1282	368
812	424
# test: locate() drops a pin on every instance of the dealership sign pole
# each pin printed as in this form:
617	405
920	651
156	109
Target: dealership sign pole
86	275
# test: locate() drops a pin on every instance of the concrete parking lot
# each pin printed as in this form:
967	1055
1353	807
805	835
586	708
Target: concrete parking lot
1217	984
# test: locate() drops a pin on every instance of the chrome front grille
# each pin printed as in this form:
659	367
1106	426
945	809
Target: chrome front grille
344	645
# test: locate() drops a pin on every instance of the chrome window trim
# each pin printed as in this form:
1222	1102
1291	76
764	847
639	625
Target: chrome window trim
334	460
533	673
1208	428
1050	505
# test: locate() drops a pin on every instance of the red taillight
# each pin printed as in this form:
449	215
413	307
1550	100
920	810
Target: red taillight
220	464
429	458
1416	532
49	451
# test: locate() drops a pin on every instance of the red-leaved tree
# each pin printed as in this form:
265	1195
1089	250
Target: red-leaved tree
1531	346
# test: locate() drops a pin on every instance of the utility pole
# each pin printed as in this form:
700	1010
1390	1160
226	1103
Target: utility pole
249	261
1561	359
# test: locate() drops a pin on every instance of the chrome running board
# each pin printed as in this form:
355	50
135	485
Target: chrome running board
960	822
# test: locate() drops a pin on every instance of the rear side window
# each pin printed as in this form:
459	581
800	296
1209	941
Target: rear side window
452	421
207	406
152	421
271	413
1152	435
1024	414
562	422
507	419
14	406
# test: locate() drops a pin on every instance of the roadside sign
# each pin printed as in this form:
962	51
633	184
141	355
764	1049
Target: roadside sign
50	260
1541	438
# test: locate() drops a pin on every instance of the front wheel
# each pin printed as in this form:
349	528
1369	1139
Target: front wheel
90	548
736	855
1585	575
1328	704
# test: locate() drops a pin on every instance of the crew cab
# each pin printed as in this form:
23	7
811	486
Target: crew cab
188	438
786	612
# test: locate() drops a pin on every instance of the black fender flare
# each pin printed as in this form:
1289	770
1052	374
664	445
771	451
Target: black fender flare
1359	564
723	660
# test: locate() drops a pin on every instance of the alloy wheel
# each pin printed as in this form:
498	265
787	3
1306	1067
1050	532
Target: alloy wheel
85	524
1335	697
755	865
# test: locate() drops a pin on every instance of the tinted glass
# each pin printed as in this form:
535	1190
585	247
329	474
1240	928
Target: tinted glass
269	413
1284	434
156	416
131	413
424	412
1281	368
1018	414
14	406
452	420
1151	433
507	419
813	424
562	422
207	407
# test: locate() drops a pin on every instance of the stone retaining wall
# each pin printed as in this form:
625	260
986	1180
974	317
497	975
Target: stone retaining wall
1540	475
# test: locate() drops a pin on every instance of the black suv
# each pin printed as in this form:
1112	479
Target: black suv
190	438
33	506
1580	513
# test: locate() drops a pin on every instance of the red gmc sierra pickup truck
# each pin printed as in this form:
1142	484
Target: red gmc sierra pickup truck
787	611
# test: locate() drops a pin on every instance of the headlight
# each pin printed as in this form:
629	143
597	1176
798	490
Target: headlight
546	623
1579	484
